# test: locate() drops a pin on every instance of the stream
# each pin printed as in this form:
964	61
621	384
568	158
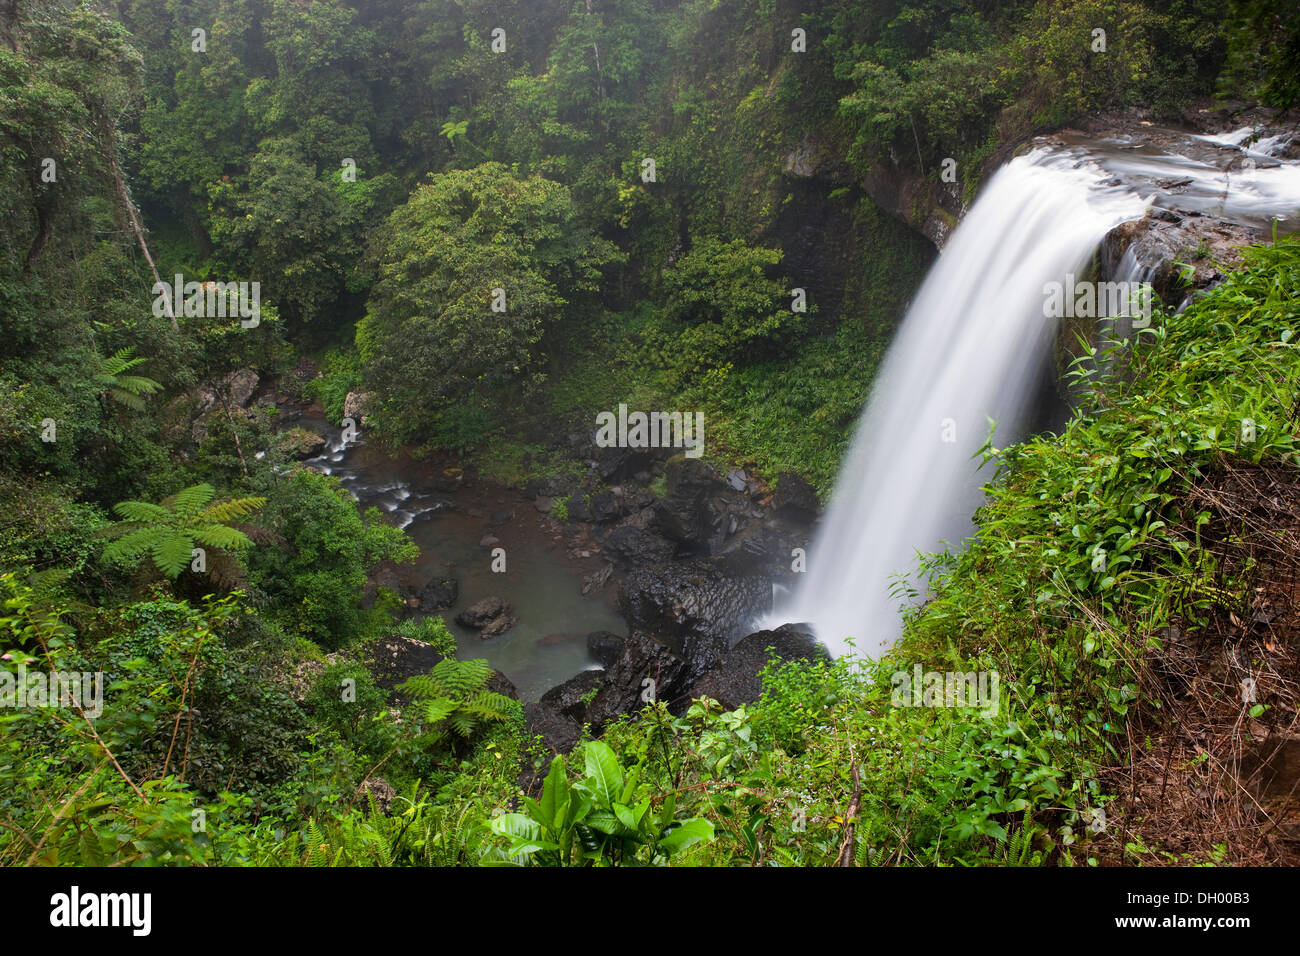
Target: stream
542	579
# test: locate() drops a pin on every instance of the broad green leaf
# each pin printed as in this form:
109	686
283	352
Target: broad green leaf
603	771
687	833
555	796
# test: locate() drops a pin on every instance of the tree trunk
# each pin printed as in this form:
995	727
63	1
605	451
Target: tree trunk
139	233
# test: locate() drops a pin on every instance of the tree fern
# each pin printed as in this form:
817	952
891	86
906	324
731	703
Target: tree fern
110	375
453	698
187	502
168	531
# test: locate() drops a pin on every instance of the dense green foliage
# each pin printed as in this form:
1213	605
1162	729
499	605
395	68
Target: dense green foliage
477	265
380	170
325	550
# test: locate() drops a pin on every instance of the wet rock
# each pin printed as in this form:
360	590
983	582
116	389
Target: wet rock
393	659
646	670
735	679
386	576
558	732
380	789
684	515
619	464
299	443
569	698
577	508
499	683
630	546
439	593
737	479
355	406
239	386
596	579
695	604
795	496
483	612
605	508
498	626
605	647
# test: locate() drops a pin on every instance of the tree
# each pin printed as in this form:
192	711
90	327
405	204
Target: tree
167	532
465	242
316	577
286	228
722	306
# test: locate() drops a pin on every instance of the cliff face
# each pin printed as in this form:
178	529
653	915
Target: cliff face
925	203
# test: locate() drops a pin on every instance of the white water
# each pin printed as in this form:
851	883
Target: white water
971	347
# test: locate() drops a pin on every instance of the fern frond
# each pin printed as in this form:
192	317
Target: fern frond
463	722
488	705
123	397
462	678
134	543
421	686
224	511
121	361
142	511
187	502
138	385
220	536
172	553
438	709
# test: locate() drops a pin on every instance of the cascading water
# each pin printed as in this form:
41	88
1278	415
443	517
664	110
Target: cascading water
972	348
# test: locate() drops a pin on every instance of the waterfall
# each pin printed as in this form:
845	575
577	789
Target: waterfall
972	347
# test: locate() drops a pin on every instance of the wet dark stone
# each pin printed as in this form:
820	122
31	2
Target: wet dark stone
605	647
735	679
439	594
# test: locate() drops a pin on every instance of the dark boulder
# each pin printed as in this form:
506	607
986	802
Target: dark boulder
567	698
605	647
379	789
439	593
393	659
619	464
578	510
387	576
685	514
499	683
687	602
558	732
605	508
630	546
558	716
596	579
735	679
483	613
795	497
498	626
646	670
